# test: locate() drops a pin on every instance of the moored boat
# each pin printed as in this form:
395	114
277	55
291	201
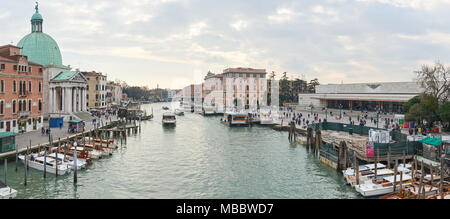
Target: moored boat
37	162
235	119
7	192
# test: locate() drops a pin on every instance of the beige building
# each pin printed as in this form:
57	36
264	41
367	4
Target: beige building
96	90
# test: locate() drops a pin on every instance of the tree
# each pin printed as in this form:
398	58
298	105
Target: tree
406	106
312	85
424	110
272	75
435	80
444	111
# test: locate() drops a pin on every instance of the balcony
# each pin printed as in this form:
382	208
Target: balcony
24	114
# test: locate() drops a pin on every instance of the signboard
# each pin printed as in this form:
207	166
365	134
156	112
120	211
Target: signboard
370	149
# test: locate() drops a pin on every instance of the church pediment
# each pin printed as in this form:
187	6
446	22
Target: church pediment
69	76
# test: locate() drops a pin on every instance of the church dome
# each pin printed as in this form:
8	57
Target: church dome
38	46
41	48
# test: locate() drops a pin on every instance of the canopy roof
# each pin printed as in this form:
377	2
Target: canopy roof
432	141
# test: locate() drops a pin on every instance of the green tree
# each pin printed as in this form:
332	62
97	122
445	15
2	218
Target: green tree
406	106
312	85
444	111
424	110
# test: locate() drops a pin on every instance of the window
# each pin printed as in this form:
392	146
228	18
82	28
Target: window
3	66
96	87
14	123
29	105
29	69
2	86
2	125
2	107
40	87
15	67
24	107
87	87
29	86
14	106
40	70
40	105
14	86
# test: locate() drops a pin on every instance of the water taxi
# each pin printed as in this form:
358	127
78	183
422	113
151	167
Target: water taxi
169	119
7	192
235	119
37	162
383	185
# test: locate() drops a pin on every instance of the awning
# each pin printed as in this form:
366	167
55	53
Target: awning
432	141
75	121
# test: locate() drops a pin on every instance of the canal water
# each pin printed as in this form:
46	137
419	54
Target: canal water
199	158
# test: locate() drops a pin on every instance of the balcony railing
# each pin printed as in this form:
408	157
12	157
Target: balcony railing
24	114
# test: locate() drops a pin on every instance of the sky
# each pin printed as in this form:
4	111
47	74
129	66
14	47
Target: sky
172	43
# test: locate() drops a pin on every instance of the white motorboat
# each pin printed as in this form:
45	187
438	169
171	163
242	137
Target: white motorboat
179	112
7	192
81	163
366	172
37	162
383	186
169	119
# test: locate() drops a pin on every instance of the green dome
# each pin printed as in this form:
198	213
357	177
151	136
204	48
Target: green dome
41	48
37	16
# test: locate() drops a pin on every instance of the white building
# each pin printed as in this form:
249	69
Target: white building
386	96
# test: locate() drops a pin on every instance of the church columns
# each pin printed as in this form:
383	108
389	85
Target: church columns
63	108
70	100
84	100
79	100
54	108
50	100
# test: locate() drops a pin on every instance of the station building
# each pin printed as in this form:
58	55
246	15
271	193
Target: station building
386	96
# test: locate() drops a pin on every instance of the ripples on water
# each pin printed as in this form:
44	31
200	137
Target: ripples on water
199	158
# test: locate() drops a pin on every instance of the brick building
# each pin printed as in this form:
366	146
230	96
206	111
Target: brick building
21	91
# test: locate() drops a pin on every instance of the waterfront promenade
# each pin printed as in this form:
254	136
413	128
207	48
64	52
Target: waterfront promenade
36	137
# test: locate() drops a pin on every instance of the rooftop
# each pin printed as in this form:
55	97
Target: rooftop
245	70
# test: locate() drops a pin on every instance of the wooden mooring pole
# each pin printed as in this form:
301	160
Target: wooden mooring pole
25	168
17	156
441	177
45	164
6	170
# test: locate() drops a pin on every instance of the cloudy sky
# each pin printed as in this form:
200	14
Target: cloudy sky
175	42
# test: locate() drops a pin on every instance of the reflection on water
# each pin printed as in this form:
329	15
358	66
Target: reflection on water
198	158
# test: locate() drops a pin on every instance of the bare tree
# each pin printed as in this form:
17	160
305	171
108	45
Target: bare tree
435	80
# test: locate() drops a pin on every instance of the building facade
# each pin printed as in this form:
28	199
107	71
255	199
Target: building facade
21	92
388	97
113	94
96	90
244	88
